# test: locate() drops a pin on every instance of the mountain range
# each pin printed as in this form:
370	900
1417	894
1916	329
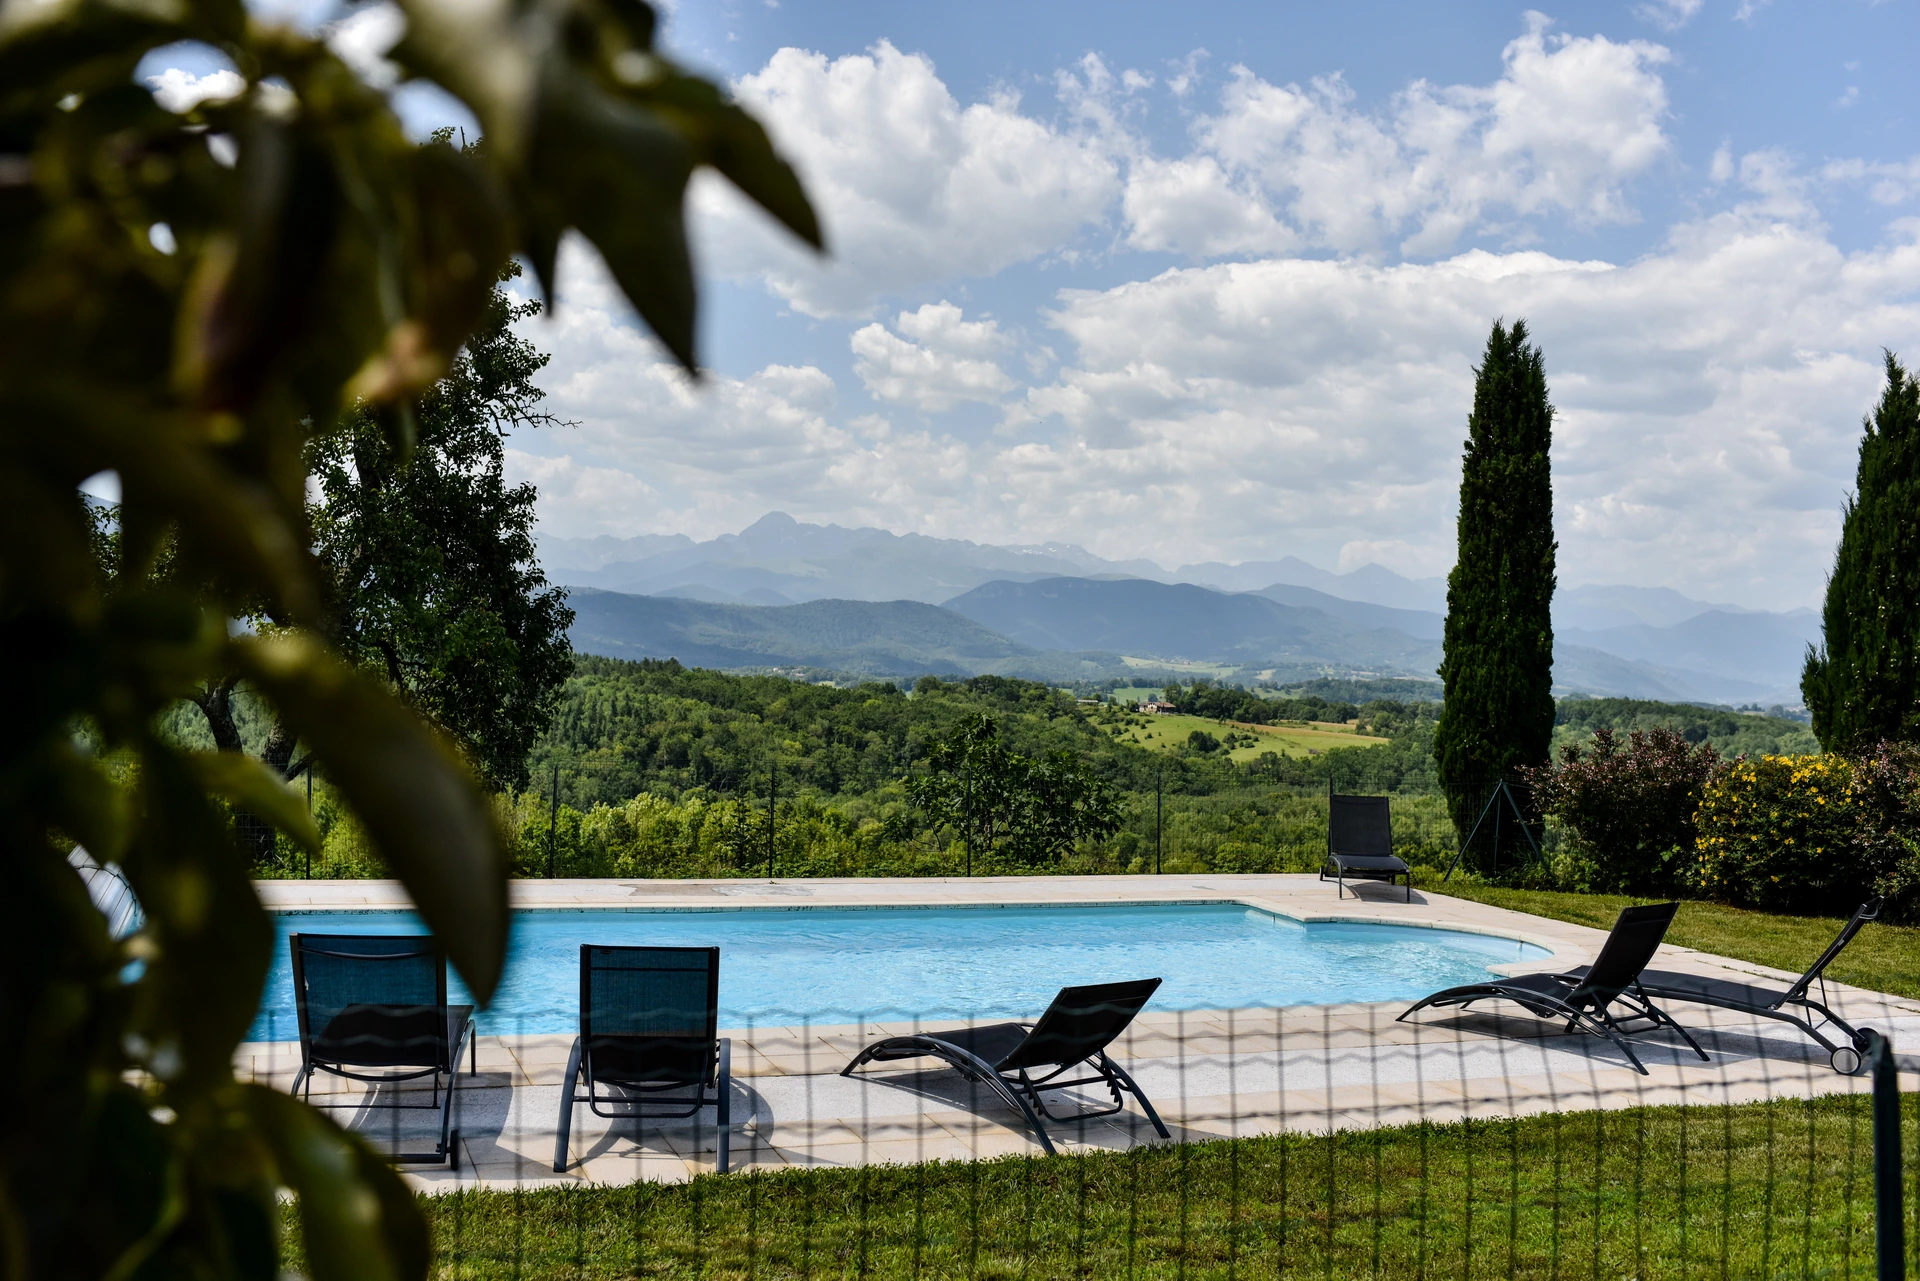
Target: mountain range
782	593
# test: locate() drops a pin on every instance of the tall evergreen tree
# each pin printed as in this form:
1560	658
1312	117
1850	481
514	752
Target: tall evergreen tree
1498	668
1861	686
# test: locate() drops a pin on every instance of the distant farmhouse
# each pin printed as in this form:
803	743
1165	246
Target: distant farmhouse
1157	707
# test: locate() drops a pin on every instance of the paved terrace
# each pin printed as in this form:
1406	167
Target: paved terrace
1211	1073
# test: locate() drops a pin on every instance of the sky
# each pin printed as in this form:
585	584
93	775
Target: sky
1209	281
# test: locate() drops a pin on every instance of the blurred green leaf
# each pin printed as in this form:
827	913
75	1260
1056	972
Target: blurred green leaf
247	783
87	805
618	174
210	939
356	1215
418	803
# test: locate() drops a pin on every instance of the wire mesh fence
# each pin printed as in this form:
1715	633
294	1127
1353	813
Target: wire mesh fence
1317	1140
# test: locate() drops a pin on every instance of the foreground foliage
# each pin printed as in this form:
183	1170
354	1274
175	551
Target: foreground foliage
1757	1190
1630	808
1811	833
186	301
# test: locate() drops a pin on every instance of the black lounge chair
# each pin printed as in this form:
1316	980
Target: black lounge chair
1585	999
1774	1002
1076	1029
373	1008
1360	843
647	1047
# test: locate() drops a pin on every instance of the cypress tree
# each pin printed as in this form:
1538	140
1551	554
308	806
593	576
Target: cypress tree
1862	683
1498	665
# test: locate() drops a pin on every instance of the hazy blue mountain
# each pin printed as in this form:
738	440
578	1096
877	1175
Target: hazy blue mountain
561	556
1599	606
1371	584
1578	669
1181	621
714	596
904	637
1759	649
802	562
1421	624
1645	641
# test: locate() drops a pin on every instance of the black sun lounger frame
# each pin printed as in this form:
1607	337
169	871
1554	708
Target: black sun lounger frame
1585	999
1775	1003
1076	1029
373	1008
648	1048
1360	843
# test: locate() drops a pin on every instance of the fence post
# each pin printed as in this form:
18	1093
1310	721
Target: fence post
1889	1209
773	788
553	820
1159	780
309	875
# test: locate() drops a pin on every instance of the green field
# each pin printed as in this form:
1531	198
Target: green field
1307	738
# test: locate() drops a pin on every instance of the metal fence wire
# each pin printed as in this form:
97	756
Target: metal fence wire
1325	1141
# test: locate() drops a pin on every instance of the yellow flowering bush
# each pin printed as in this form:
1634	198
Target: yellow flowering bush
1806	833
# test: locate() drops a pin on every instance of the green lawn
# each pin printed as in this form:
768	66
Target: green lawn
1166	733
1885	958
1780	1189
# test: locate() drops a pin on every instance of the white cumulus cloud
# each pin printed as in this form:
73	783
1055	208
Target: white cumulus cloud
913	187
943	360
1567	125
179	90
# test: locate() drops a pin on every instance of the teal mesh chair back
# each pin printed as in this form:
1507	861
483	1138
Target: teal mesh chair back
372	1000
649	1015
1081	1022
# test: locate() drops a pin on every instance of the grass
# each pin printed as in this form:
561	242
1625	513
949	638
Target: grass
1167	733
1757	1190
1884	958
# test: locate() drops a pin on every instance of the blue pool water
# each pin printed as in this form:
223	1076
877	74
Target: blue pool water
821	965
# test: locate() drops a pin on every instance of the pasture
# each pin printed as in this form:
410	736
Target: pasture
1244	742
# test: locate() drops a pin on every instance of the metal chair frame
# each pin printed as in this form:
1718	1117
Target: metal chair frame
447	1150
1016	1085
713	1089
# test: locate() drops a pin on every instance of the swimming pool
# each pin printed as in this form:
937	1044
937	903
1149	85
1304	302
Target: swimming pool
825	965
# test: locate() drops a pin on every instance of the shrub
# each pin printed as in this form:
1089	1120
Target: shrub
1629	808
1810	833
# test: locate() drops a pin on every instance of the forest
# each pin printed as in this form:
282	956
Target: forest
664	770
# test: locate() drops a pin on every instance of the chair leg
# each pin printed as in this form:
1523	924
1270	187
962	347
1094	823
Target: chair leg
725	1109
564	1129
1132	1088
473	1053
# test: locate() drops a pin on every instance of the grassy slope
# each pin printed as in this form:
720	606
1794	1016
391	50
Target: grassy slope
1781	1189
1170	732
1885	958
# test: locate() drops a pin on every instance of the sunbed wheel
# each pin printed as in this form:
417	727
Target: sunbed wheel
1847	1061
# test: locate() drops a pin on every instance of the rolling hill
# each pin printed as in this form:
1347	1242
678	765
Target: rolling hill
878	637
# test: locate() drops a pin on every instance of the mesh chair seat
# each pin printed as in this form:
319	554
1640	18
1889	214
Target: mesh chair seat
1075	1031
373	1008
648	1044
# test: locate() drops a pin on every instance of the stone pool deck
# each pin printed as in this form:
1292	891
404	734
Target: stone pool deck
1211	1073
